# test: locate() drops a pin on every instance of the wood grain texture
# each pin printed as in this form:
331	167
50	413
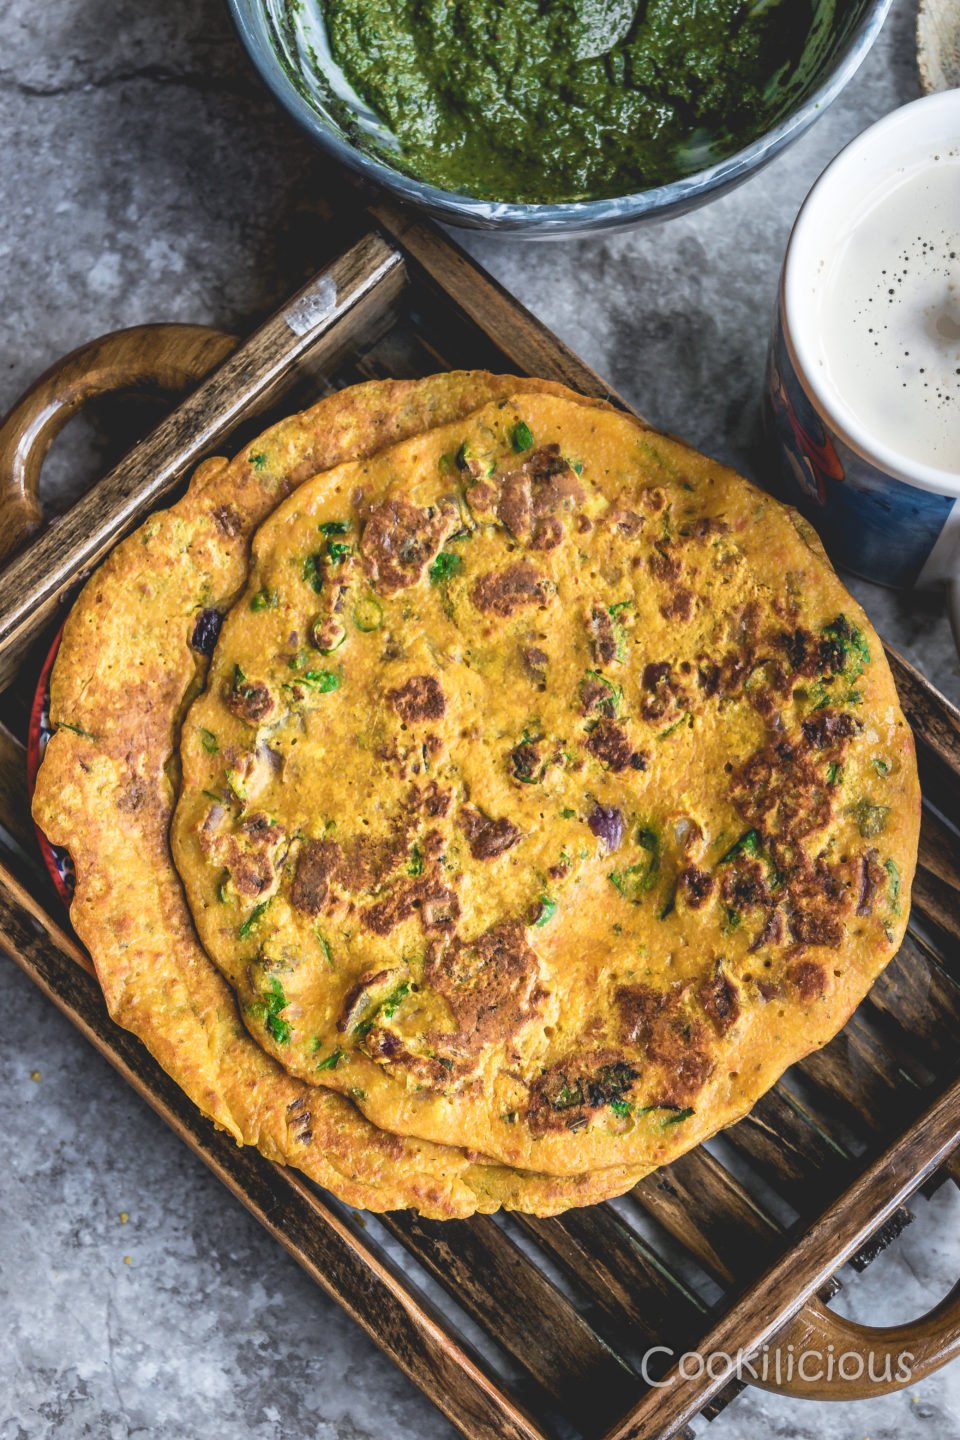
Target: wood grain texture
802	1157
711	1214
858	1074
930	1342
936	886
793	1152
14	800
919	1005
935	721
488	1275
880	1069
619	1271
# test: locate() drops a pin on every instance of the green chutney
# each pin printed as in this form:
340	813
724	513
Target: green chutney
527	100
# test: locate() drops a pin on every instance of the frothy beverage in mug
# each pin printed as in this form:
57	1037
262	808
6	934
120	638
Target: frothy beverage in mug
888	311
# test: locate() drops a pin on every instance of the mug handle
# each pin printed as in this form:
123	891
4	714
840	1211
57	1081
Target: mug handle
169	359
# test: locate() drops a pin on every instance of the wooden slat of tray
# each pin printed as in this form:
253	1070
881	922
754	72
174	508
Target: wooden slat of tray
461	317
618	1271
857	1073
795	1155
493	1281
936	887
798	1156
710	1213
903	1034
14	800
919	1002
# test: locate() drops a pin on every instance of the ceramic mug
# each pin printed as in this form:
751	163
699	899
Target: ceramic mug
880	513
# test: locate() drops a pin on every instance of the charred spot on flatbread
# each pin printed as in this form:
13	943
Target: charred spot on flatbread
400	540
419	698
486	837
504	592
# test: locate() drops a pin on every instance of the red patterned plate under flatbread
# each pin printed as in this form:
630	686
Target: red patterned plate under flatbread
56	859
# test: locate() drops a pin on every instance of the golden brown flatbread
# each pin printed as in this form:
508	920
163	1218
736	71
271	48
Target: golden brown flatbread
550	794
134	652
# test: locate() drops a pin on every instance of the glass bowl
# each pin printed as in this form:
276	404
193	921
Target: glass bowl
841	34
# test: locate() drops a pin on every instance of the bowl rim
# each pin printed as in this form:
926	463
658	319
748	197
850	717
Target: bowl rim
458	208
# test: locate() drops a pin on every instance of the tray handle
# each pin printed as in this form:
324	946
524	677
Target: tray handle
171	359
867	1360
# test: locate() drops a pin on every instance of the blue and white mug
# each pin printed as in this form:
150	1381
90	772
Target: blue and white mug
880	513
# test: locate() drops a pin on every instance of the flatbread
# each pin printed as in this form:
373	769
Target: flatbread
134	652
550	794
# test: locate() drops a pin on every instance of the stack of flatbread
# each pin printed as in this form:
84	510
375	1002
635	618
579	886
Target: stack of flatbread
476	798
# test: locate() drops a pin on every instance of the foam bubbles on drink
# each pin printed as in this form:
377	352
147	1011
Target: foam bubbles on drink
890	315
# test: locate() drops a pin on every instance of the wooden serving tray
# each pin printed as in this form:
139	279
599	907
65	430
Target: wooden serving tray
515	1327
